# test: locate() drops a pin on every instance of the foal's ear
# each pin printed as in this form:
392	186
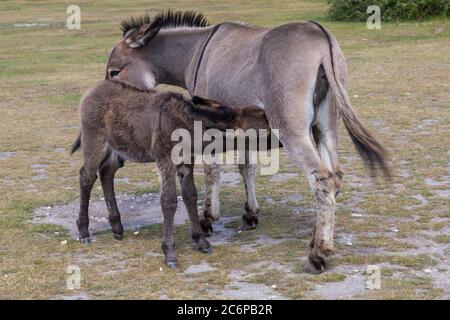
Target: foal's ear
205	102
214	114
141	36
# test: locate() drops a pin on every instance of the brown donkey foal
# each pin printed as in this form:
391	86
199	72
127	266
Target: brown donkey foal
121	122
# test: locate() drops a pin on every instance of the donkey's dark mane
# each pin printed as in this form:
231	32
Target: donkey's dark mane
169	19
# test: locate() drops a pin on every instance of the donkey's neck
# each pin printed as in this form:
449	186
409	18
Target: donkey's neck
175	54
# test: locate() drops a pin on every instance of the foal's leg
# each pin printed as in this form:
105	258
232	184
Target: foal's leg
169	203
248	173
189	194
93	150
107	172
88	176
211	210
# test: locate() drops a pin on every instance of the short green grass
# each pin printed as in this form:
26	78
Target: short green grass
398	79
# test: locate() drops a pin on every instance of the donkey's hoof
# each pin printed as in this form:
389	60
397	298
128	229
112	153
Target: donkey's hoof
172	264
118	236
206	227
85	240
314	267
249	223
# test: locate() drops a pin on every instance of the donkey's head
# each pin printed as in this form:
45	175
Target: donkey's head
127	62
144	59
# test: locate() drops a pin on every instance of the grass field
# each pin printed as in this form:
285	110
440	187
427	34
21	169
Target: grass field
399	84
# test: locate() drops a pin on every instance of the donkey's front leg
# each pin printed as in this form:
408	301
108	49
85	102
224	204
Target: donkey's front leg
211	210
250	217
189	194
169	203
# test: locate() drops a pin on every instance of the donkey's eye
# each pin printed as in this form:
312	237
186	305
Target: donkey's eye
113	73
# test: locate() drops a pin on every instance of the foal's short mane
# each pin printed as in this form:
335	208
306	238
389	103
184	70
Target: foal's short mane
221	114
130	86
169	19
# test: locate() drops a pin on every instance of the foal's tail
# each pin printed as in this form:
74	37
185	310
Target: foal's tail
370	149
76	145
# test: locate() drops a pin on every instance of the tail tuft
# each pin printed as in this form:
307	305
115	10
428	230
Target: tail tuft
373	153
76	145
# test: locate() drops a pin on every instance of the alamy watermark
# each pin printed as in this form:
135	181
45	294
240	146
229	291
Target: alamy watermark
73	21
374	20
234	146
74	279
373	277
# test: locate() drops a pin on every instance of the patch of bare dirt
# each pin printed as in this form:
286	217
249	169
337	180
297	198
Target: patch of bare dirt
239	289
199	268
282	177
261	241
137	211
353	285
7	155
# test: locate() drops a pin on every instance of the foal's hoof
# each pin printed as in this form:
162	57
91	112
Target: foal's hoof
206	227
249	223
202	248
206	250
202	244
172	264
85	240
314	267
118	236
205	247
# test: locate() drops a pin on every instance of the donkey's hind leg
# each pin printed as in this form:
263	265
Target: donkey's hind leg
293	115
211	210
326	136
321	181
107	172
189	194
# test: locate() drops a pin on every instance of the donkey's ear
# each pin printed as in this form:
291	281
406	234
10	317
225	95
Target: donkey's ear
141	36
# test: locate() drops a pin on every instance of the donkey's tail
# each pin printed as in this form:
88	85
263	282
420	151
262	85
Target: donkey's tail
370	149
76	145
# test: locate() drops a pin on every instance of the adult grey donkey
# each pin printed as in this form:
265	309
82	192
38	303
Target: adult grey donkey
296	72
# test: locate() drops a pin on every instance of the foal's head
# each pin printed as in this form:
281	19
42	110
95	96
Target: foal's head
216	115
